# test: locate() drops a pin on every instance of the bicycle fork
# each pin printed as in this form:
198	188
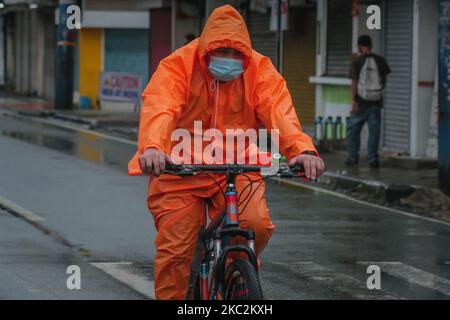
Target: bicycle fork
214	266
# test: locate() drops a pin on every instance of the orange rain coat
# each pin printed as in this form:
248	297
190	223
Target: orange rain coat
182	91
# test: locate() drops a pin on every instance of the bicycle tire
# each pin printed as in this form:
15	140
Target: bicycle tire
252	285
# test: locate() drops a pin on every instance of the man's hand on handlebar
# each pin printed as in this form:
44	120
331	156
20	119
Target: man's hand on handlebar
314	165
153	161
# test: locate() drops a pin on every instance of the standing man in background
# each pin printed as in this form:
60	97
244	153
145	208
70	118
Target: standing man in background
368	72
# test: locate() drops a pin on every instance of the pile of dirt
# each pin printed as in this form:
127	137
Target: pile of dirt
429	202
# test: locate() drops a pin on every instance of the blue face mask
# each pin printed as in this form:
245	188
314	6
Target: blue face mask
225	69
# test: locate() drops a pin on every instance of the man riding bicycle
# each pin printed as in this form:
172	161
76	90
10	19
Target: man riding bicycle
219	80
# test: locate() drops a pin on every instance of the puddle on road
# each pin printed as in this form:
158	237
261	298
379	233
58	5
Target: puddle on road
83	145
51	142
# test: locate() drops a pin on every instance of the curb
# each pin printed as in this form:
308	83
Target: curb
88	121
38	222
391	193
392	197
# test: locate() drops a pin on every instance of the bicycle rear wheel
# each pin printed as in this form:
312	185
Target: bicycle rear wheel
242	282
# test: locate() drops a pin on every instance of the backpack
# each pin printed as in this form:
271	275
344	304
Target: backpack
369	84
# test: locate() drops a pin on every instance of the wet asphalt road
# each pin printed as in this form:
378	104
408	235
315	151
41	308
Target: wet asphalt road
76	183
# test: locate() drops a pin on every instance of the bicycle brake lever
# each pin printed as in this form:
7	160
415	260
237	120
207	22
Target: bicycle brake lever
286	174
297	168
186	172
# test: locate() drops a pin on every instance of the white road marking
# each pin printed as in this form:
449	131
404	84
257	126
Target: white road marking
20	211
122	272
336	281
413	275
346	197
421	234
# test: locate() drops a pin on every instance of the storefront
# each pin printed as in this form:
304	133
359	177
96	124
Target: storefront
299	47
26	52
126	50
398	51
112	41
405	26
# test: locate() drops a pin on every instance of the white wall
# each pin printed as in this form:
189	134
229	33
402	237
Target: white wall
424	69
122	4
115	19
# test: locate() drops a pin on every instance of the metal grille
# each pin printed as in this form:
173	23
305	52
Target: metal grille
126	50
339	37
264	41
398	53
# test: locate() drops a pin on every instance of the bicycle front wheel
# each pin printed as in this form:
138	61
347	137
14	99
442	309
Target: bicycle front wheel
242	282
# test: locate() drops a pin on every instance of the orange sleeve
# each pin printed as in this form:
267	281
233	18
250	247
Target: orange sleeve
163	100
275	110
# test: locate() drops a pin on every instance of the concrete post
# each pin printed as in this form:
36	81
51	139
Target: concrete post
444	96
64	64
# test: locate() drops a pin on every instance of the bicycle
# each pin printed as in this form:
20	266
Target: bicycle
215	275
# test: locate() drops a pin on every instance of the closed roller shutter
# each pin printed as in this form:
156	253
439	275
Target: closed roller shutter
299	61
49	59
398	53
264	41
26	53
23	52
126	50
339	37
2	50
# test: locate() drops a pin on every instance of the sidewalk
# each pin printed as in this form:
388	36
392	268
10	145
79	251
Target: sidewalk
401	182
14	101
122	123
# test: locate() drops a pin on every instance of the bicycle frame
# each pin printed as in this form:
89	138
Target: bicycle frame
209	264
221	247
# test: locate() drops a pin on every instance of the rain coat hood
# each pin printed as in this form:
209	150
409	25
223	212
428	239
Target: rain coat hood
225	28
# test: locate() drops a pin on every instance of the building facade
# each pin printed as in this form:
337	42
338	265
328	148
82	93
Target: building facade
407	39
314	52
28	49
114	36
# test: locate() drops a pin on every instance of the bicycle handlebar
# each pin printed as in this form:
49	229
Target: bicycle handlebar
284	171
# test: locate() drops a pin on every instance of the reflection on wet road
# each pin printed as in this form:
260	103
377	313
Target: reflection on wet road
82	144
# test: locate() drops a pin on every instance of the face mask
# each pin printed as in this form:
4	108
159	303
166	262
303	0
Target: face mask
225	69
